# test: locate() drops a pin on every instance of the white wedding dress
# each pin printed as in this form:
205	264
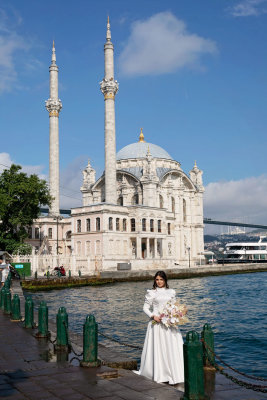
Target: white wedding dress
162	357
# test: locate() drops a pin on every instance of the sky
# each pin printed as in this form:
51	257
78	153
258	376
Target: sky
192	74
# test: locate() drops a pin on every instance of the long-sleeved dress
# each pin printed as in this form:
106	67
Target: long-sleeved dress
162	357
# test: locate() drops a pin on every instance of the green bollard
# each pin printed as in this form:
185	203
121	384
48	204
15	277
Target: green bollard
62	330
7	302
69	273
80	274
15	308
208	352
2	305
42	321
90	343
29	318
193	368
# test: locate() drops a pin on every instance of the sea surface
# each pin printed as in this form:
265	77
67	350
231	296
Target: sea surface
234	305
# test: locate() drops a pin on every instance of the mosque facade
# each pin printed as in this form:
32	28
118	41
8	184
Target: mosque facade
143	213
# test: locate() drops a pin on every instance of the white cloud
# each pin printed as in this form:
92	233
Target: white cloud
6	161
243	201
10	44
248	8
161	44
70	183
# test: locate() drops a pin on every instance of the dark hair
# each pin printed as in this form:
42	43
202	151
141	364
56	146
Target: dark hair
163	276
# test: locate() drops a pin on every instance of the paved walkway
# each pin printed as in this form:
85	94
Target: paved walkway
25	373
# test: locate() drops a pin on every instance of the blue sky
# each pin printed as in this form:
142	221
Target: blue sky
191	73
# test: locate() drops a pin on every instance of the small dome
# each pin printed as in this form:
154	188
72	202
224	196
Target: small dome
139	150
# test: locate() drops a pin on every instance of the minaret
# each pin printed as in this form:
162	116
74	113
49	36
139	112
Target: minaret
53	106
109	88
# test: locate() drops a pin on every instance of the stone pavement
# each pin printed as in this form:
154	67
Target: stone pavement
25	373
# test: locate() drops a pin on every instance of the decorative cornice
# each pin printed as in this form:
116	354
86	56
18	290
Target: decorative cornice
53	107
109	88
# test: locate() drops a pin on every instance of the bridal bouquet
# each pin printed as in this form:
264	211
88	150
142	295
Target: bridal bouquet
173	314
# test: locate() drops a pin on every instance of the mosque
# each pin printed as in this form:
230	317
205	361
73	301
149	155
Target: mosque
143	213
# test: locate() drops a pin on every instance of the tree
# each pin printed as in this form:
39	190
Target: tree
20	199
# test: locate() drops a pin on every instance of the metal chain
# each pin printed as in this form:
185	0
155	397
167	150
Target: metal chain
71	347
257	378
256	388
119	342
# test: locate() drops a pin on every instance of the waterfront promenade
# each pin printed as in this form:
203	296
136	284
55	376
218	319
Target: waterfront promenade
25	373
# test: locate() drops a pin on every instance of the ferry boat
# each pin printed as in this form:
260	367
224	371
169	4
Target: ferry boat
245	252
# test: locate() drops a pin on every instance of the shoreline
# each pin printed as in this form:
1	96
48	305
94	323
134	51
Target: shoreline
108	277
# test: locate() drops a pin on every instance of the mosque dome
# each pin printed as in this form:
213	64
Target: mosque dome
140	149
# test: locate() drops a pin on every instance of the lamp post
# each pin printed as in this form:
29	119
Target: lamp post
188	249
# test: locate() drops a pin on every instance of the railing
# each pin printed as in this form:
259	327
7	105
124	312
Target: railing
198	353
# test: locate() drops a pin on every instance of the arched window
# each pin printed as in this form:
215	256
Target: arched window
68	235
184	210
135	199
169	228
97	224
144	224
124	224
132	225
79	225
120	201
37	233
151	225
159	225
160	201
110	223
88	224
173	204
117	224
50	233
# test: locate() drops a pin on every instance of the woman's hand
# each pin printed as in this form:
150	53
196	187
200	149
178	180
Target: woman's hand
157	319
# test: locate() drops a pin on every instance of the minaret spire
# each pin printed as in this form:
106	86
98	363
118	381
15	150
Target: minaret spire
109	88
53	106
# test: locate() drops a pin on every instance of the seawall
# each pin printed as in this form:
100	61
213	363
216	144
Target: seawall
107	277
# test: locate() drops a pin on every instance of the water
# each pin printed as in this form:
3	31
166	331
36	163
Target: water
234	305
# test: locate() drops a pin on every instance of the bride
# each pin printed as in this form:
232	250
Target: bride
162	356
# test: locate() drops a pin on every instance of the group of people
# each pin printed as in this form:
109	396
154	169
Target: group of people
162	356
4	270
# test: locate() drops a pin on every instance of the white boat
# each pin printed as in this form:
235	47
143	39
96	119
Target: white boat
240	252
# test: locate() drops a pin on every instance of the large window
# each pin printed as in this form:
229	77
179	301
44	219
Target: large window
124	224
133	225
184	210
37	233
110	223
88	224
151	225
173	204
50	233
120	201
79	225
169	228
160	201
159	225
117	224
97	224
144	224
135	199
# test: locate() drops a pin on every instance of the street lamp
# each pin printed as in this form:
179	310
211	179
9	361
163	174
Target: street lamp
188	249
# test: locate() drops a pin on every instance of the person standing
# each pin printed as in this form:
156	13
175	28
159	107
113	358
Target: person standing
5	270
162	356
